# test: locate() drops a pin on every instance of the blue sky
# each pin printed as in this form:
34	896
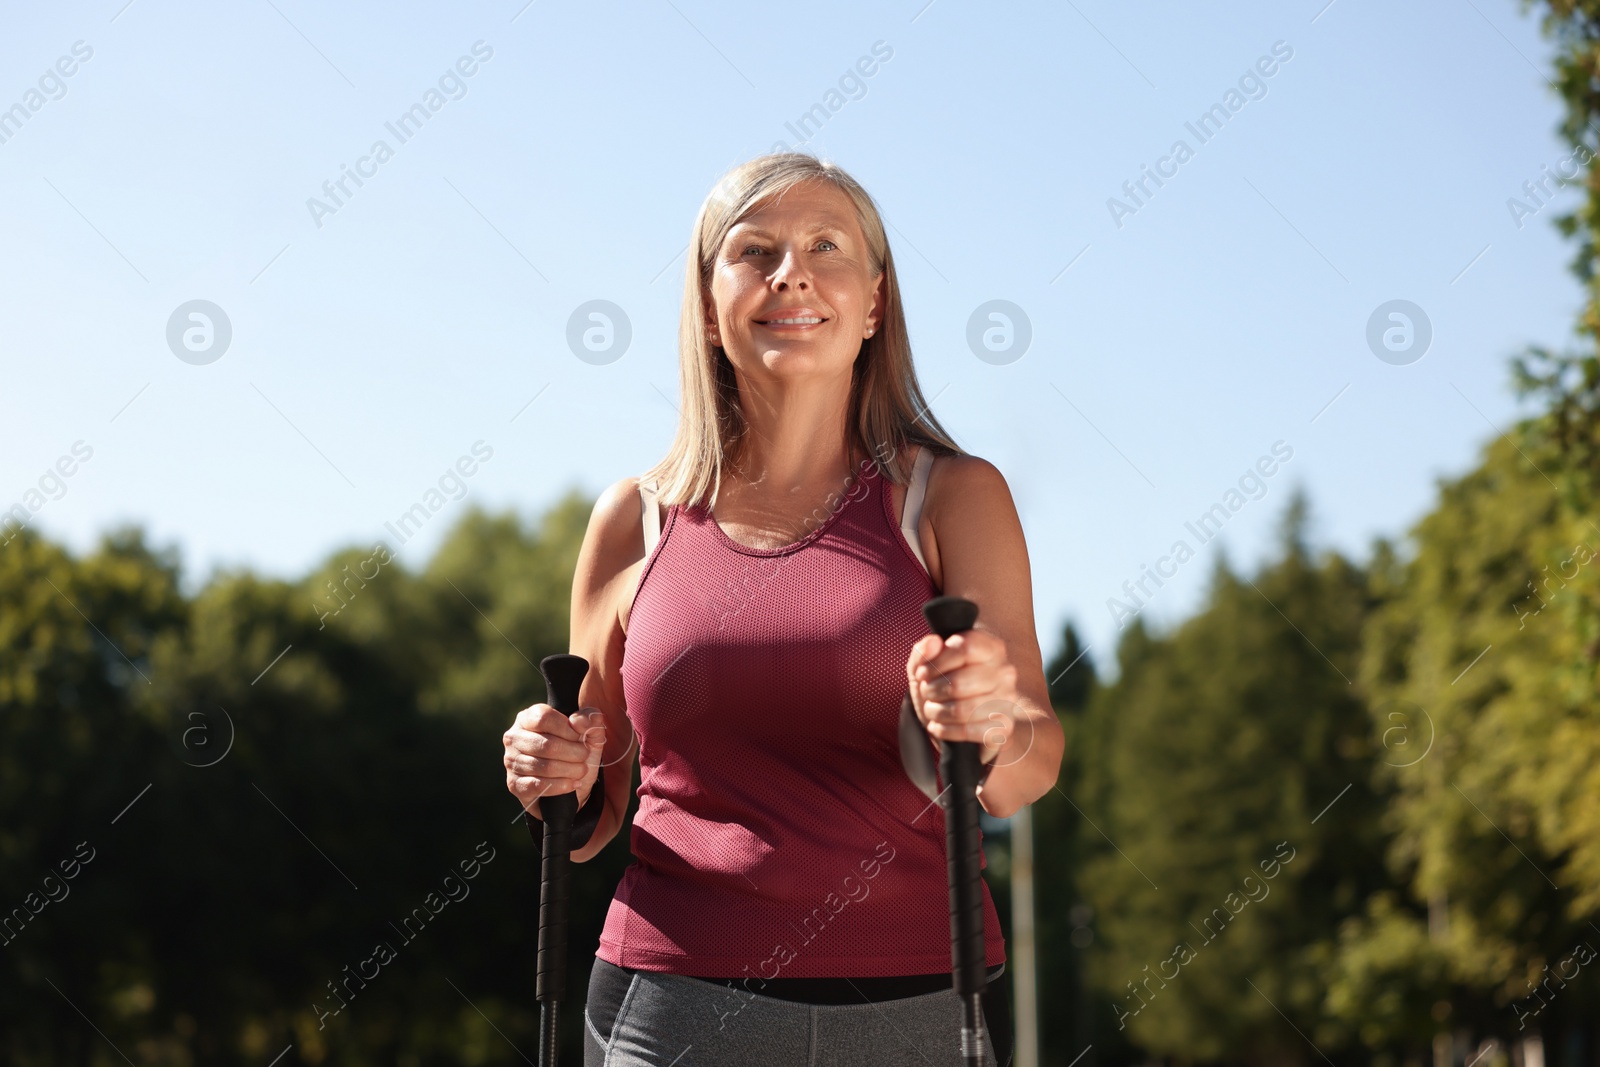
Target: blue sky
374	345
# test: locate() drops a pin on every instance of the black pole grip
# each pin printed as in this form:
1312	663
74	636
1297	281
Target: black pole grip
563	675
960	766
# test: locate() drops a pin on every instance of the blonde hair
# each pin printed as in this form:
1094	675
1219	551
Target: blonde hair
887	409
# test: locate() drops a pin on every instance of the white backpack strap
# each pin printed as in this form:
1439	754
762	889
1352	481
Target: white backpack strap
652	516
916	492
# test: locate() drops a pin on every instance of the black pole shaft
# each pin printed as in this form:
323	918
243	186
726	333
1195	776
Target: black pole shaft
563	675
960	764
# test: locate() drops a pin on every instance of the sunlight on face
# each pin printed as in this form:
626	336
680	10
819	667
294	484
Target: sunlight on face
799	256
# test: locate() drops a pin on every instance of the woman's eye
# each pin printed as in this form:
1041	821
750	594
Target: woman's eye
751	248
825	241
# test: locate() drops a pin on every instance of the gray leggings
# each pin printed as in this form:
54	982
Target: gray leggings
667	1020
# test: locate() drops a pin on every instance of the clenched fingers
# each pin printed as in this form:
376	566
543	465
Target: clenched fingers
543	732
548	753
932	656
973	679
988	720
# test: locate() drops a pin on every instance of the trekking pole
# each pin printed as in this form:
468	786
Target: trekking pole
960	766
563	674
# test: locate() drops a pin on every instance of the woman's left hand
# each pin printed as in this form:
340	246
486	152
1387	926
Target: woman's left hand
965	689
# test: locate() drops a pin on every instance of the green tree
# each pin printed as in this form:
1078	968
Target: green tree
77	639
1491	743
1063	924
307	763
1228	770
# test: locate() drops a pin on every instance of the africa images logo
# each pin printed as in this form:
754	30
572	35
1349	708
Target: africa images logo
199	332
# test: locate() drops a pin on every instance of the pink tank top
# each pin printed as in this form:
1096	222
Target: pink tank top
777	833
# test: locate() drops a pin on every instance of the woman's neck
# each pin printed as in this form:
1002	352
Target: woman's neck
771	509
795	440
774	472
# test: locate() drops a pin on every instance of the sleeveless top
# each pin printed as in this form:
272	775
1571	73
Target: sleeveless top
777	832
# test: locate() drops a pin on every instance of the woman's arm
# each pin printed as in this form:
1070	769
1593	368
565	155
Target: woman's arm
602	582
988	684
544	749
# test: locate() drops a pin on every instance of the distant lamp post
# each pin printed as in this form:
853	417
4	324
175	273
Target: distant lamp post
1025	974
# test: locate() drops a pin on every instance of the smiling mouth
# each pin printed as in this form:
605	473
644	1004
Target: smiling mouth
805	320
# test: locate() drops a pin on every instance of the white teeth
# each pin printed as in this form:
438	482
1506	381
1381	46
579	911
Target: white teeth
792	322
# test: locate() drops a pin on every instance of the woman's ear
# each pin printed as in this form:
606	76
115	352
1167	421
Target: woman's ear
713	332
875	314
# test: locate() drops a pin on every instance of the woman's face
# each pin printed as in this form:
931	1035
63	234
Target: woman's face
800	255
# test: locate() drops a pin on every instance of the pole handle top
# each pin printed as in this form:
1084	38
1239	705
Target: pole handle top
950	615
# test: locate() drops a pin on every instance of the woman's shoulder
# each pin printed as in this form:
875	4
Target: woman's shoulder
615	537
968	501
963	497
613	551
965	479
982	548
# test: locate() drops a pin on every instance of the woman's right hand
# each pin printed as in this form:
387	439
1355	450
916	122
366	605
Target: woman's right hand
548	753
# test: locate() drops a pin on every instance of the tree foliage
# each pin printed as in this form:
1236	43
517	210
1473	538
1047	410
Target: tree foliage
272	778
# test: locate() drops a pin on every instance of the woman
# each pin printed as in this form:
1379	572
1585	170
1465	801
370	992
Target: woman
788	900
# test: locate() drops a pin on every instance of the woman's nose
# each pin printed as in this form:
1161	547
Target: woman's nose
790	272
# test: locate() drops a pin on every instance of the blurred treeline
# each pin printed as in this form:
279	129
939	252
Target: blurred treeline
1364	796
1364	799
364	769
